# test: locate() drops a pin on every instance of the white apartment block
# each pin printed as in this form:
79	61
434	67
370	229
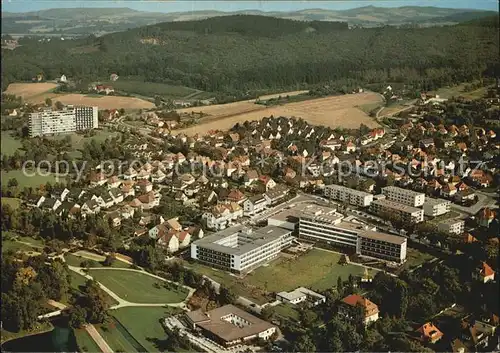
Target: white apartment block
452	226
436	207
325	225
407	214
239	249
351	196
69	119
404	196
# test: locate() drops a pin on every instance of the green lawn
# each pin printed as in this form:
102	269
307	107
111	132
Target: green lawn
75	260
144	324
78	281
10	144
456	91
115	338
79	140
13	202
31	180
239	286
85	343
415	258
287	311
318	269
10	241
138	287
151	89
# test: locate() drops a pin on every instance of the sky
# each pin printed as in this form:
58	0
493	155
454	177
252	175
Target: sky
237	5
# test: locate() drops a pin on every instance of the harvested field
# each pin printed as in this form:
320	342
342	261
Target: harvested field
276	95
336	111
38	92
103	102
29	90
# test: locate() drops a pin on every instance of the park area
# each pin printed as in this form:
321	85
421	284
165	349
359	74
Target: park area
139	287
334	111
76	260
85	343
318	269
137	329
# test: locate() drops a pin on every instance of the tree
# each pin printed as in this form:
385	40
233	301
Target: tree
267	313
59	105
77	316
94	301
308	317
108	261
48	102
226	296
304	344
340	285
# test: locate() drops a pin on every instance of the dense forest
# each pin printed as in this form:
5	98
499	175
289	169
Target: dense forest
241	53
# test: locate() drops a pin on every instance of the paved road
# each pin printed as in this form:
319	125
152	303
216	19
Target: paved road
484	201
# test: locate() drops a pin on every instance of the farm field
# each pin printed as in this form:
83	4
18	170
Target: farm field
318	270
33	181
38	92
10	144
143	323
335	111
104	102
137	287
151	89
30	90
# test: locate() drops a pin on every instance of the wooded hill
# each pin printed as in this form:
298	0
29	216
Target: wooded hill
239	53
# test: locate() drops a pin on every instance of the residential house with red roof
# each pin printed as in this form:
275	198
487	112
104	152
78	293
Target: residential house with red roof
485	216
485	273
354	302
429	333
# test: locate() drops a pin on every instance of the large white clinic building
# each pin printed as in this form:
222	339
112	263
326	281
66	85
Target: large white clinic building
68	119
324	224
241	249
404	196
351	196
